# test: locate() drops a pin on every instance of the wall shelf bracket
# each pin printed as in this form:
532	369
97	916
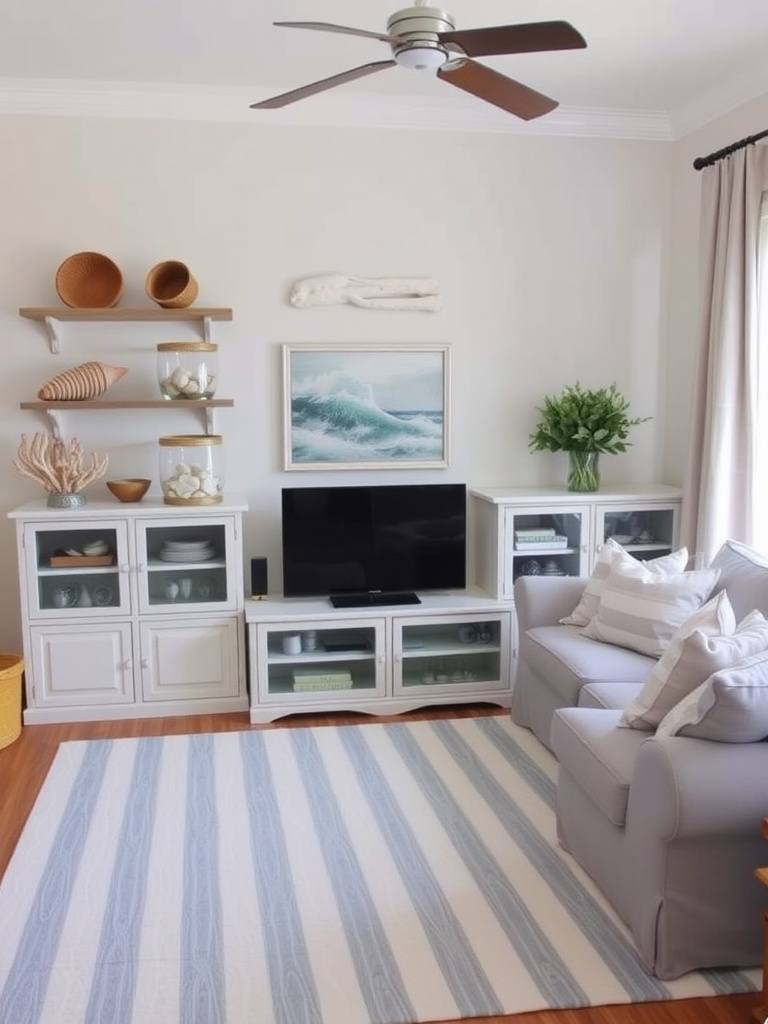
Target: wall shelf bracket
54	338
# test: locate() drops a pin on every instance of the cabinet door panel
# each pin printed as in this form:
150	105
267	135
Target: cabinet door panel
451	654
81	664
76	586
190	659
346	660
188	564
545	541
645	530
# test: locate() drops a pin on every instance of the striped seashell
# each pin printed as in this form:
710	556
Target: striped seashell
88	380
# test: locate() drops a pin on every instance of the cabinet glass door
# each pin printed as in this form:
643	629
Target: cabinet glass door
459	653
184	564
80	571
306	659
646	531
547	541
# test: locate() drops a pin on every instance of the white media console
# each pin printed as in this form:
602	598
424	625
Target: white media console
305	655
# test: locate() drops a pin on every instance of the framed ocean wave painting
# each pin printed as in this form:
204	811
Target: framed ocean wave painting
355	406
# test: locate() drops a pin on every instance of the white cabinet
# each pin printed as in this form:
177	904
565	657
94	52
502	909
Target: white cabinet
558	532
152	625
306	656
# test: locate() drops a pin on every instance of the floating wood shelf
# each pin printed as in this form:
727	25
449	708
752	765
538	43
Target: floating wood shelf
52	409
52	316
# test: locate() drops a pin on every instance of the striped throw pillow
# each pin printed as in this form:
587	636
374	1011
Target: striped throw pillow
613	556
642	610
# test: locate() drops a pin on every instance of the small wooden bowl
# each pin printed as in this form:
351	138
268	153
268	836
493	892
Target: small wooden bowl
129	490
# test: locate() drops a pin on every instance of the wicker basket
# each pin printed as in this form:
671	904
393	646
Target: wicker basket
171	285
11	669
88	280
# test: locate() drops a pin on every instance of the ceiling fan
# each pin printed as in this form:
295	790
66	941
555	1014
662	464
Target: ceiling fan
425	39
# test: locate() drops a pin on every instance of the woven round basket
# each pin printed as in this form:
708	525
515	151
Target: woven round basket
171	285
88	280
11	669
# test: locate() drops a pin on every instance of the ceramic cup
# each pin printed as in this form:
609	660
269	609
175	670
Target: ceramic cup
292	643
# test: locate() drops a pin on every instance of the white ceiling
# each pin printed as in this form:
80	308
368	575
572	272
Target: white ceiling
674	63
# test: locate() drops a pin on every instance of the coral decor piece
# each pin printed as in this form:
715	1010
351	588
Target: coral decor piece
414	293
60	467
88	380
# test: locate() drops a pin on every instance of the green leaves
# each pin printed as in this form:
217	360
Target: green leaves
577	420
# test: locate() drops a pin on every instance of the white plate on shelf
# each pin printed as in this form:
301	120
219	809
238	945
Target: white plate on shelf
187	556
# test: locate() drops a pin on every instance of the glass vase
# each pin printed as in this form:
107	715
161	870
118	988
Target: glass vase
583	471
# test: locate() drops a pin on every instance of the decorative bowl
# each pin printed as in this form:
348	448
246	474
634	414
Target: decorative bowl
171	285
89	280
132	489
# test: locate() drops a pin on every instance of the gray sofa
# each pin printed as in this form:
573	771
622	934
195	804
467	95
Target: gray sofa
669	827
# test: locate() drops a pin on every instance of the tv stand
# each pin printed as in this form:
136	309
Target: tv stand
451	648
373	599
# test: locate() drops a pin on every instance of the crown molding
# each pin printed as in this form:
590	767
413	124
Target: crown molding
719	101
344	108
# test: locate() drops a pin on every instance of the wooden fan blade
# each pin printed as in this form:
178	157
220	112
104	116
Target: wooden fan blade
324	26
532	37
326	83
503	92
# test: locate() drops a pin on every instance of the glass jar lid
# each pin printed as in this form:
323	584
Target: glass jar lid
187	346
189	440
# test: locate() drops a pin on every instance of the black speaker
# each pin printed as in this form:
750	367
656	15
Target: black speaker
258	578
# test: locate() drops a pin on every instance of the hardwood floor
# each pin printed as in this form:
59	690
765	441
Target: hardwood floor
24	764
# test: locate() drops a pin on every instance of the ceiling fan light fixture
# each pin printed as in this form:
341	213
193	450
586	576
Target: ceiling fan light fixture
421	58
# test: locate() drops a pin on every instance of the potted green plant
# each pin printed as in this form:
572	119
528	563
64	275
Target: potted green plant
584	424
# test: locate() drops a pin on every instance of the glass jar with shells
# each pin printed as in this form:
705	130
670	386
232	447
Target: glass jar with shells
187	369
192	469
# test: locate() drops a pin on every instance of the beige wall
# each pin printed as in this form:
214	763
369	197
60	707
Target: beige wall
553	257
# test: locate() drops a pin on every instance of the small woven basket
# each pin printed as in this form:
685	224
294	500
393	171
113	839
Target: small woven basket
11	669
171	285
89	280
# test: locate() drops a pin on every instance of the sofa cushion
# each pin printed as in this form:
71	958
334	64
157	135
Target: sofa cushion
616	696
729	707
686	662
598	755
568	660
744	574
643	610
613	555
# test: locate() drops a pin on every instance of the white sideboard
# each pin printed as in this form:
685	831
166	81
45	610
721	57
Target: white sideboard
554	531
152	627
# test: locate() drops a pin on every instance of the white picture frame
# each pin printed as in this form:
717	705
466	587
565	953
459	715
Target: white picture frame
366	406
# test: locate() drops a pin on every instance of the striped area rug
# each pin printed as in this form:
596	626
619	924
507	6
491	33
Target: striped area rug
335	875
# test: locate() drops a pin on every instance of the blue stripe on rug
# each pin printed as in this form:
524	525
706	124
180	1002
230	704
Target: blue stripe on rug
24	993
202	957
293	991
464	975
114	981
378	975
542	961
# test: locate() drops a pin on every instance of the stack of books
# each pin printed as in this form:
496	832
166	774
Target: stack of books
307	680
539	537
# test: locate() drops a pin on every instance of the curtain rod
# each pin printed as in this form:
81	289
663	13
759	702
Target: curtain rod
706	161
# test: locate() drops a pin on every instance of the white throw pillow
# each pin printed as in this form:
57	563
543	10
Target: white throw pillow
643	610
612	555
729	707
708	641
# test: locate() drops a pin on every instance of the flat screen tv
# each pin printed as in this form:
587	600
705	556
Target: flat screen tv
373	545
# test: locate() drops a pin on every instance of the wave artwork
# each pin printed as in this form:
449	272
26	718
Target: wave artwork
361	407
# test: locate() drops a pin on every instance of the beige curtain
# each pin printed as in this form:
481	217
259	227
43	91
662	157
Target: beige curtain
719	500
